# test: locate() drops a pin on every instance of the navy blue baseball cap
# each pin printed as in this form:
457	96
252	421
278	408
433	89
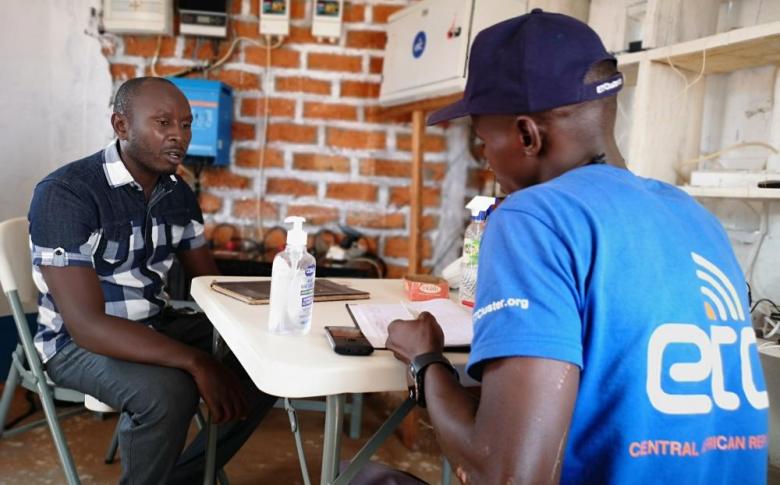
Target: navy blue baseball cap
531	63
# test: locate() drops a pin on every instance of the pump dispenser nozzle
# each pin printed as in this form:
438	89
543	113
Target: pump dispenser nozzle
296	236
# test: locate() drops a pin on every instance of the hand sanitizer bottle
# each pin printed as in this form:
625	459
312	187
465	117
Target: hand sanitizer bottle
292	284
480	206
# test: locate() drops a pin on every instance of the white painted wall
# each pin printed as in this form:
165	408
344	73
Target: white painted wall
55	89
741	107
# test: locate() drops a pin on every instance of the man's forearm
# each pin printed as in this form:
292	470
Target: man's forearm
132	341
453	412
516	431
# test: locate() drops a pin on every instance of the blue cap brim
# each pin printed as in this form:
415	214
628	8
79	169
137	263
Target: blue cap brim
457	109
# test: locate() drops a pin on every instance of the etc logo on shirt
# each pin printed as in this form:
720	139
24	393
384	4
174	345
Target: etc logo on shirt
721	304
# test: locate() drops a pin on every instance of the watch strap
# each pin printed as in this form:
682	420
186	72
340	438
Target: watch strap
417	368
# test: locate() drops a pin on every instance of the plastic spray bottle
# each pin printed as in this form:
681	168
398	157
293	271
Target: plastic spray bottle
480	207
292	284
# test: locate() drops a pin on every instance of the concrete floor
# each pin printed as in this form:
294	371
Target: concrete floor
268	457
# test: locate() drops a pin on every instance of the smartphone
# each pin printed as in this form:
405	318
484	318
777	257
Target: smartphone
348	341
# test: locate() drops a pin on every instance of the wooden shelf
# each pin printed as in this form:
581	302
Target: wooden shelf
630	58
744	48
425	105
628	64
732	192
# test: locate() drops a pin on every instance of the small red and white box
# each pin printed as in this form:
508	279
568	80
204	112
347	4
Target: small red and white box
424	287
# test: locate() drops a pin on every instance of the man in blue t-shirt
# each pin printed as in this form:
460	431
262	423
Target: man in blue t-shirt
612	334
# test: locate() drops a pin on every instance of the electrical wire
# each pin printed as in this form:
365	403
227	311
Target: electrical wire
684	93
698	78
768	345
264	142
205	68
771	323
736	146
764	228
688	85
762	300
758	12
209	65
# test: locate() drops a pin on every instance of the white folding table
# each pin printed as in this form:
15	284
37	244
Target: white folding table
306	366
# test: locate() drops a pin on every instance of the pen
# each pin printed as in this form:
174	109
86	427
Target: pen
415	314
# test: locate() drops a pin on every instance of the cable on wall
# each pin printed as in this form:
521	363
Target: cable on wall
264	140
209	65
736	146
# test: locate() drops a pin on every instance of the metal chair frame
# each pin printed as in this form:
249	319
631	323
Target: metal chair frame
26	368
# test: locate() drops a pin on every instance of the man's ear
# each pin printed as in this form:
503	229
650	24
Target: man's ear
121	125
529	135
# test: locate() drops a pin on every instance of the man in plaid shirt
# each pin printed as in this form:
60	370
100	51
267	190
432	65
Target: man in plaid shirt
103	232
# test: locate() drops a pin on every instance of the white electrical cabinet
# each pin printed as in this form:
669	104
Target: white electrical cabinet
327	18
275	17
428	45
138	16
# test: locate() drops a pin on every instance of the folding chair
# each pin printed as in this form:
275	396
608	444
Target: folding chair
26	368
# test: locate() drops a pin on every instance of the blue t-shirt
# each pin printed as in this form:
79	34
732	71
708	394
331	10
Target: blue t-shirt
634	282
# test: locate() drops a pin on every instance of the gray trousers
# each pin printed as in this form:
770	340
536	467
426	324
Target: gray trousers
158	404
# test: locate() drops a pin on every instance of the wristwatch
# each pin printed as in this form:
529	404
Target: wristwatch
417	372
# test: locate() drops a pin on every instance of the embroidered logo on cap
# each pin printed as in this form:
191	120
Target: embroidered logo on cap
609	85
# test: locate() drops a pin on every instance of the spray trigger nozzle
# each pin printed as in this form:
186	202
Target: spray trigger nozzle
480	206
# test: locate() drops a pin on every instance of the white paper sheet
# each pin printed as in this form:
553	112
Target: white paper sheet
373	319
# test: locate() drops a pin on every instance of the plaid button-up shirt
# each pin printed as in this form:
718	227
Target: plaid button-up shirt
93	213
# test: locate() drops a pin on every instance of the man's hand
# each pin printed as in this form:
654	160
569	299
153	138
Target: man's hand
410	338
220	388
80	300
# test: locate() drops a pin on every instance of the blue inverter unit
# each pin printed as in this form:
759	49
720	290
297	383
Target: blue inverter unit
212	115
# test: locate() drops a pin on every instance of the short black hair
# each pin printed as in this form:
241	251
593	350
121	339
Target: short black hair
600	71
123	100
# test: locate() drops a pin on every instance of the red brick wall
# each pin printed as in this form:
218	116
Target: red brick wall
330	156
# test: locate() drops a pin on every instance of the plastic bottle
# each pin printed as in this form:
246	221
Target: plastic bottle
480	207
292	284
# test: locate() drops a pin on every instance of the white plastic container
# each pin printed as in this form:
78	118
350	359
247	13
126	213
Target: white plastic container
480	207
292	284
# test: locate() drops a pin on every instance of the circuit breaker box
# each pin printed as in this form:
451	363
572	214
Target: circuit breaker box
212	115
428	44
138	16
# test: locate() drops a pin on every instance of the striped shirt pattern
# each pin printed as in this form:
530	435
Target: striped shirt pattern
93	213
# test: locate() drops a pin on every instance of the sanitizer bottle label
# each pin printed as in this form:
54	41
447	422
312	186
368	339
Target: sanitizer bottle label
307	295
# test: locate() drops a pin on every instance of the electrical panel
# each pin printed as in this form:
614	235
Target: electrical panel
138	16
203	17
327	18
211	103
275	17
428	44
